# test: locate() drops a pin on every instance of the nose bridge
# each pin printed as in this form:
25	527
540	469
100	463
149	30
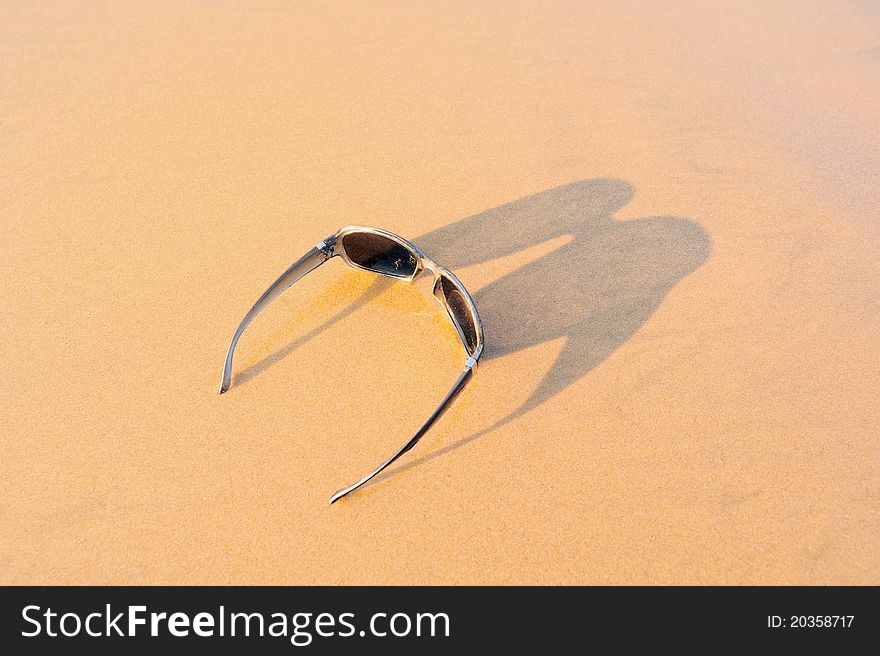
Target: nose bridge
429	279
430	265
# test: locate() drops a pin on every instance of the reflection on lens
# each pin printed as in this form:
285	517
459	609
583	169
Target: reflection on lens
380	254
460	311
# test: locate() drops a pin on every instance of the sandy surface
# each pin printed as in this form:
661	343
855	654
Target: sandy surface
668	218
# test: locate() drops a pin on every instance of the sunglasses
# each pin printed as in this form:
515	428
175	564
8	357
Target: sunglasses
386	254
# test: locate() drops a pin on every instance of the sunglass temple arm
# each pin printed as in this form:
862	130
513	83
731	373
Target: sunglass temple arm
462	380
307	263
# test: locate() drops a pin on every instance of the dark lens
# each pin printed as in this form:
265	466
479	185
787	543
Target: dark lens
460	311
380	254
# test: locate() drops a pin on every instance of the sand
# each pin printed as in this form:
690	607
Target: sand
667	216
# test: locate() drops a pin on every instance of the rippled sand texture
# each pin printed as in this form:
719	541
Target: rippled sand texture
667	216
